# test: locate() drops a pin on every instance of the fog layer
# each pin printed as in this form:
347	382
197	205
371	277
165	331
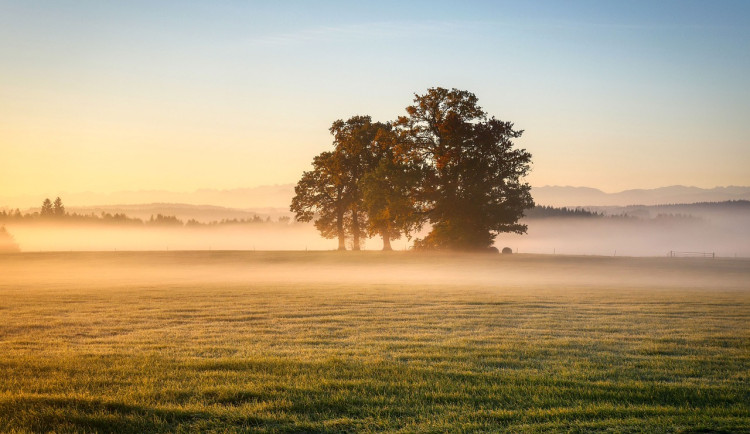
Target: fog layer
632	237
111	270
725	235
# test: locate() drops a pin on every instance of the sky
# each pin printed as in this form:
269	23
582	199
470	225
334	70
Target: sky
107	96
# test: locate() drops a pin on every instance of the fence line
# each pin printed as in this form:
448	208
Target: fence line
675	254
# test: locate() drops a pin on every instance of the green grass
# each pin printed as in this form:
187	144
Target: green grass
281	342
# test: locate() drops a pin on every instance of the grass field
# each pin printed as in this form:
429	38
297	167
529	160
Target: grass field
325	341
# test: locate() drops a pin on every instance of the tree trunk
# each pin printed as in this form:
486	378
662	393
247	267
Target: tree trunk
386	242
340	230
355	228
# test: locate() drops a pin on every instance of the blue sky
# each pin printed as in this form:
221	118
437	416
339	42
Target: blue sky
107	96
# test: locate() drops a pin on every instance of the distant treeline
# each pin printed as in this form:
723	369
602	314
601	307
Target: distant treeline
55	212
680	212
727	205
551	211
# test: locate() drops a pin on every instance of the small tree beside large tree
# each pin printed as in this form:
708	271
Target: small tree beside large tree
359	188
352	140
321	195
390	190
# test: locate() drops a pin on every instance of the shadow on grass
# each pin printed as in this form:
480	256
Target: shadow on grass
60	414
334	395
394	395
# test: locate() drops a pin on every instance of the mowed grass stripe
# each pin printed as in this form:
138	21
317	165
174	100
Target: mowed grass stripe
234	355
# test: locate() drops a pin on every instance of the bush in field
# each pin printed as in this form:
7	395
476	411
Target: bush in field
7	243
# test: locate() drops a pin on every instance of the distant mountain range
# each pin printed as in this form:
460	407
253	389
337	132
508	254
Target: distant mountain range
714	211
274	199
266	196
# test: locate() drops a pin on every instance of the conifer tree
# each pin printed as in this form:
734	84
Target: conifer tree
47	209
58	209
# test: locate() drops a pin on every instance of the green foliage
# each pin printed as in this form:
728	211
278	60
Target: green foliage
353	142
321	195
446	162
389	201
389	191
473	184
338	194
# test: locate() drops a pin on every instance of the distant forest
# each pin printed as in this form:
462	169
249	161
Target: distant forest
54	212
551	211
727	205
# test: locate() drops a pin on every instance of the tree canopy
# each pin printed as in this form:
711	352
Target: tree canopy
58	209
47	209
446	162
51	209
321	195
390	191
473	186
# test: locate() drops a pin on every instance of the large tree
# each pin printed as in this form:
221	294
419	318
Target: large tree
320	194
473	185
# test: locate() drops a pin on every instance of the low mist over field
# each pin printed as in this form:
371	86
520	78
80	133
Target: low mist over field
641	231
720	228
463	270
403	341
33	238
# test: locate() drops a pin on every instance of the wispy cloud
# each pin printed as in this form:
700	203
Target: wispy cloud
363	31
430	29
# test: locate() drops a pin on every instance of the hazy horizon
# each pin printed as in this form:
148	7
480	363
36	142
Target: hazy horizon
278	196
719	229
